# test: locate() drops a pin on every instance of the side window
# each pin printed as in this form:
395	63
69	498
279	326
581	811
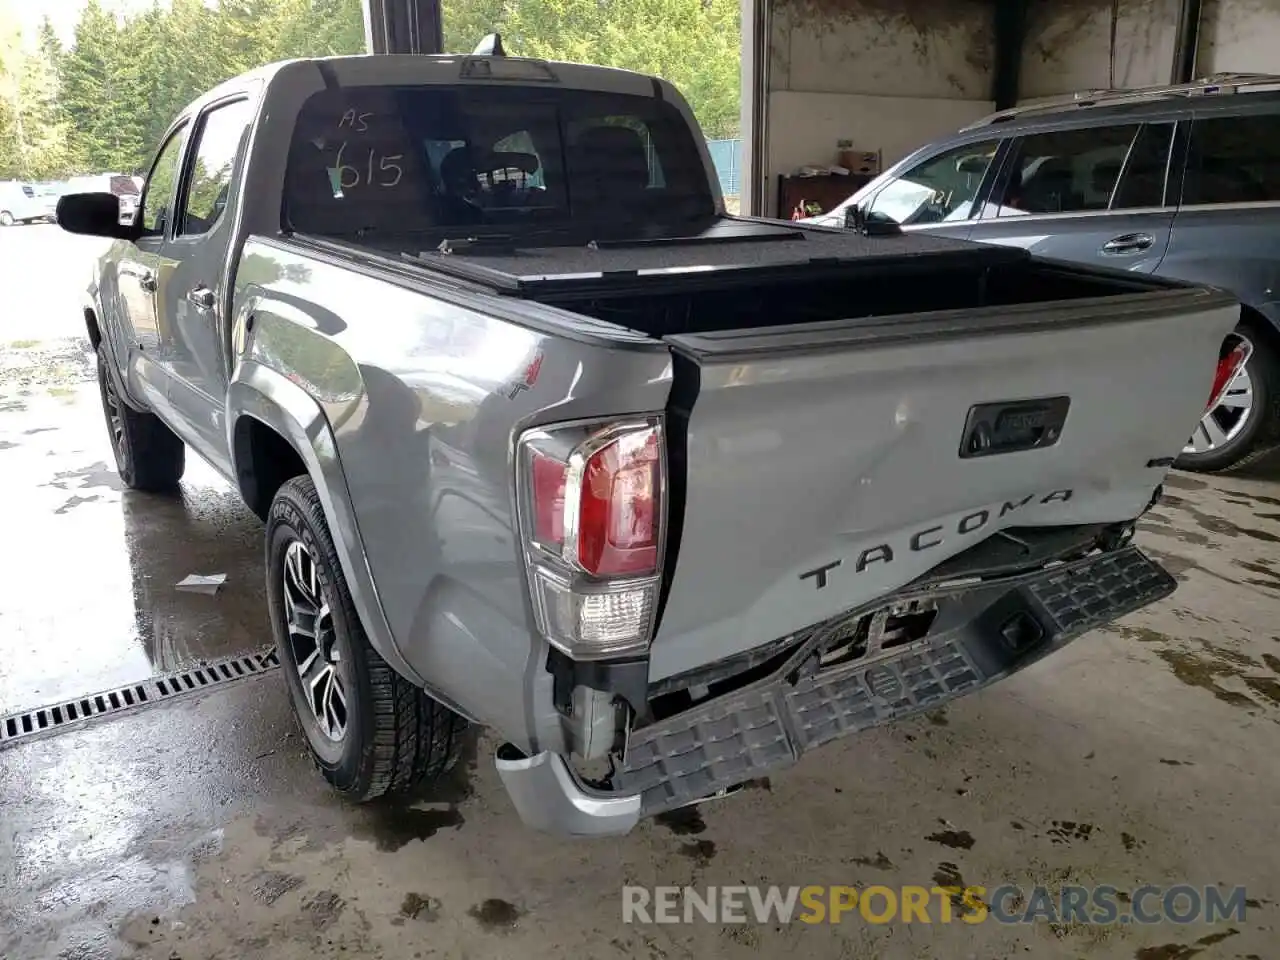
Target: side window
1066	171
1233	160
218	143
940	189
161	183
1142	181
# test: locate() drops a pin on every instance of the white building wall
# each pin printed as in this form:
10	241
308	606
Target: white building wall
1239	36
1068	43
887	75
894	74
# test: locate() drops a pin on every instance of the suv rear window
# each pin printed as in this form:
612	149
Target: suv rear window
1233	160
403	160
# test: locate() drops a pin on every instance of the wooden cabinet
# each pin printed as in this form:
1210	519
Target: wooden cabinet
826	190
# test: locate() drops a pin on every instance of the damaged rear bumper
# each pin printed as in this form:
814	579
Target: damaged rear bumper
982	632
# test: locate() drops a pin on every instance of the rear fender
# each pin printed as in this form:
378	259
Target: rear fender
268	396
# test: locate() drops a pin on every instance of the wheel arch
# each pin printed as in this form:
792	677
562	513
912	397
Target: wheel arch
270	416
1267	327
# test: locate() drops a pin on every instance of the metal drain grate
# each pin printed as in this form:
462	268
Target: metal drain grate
31	723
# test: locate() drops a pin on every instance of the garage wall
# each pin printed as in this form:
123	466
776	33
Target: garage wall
885	74
1068	43
1067	46
1241	36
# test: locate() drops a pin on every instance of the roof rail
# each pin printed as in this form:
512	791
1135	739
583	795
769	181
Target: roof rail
1215	85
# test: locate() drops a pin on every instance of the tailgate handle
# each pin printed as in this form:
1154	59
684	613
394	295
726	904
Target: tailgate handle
1012	425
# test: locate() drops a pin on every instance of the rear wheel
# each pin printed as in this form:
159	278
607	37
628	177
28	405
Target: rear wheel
1245	424
371	732
6	218
149	456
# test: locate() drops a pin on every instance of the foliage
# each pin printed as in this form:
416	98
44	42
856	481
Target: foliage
104	103
33	132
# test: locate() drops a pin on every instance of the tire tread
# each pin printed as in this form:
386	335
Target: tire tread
415	739
157	458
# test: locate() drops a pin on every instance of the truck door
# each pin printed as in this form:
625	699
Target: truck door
193	298
1095	195
138	275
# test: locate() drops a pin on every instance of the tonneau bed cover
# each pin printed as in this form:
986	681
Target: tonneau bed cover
731	250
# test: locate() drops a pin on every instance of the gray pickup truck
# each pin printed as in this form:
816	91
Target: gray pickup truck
546	441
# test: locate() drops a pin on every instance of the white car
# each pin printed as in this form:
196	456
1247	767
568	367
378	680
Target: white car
23	203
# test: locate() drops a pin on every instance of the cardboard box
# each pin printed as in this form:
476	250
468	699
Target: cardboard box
864	162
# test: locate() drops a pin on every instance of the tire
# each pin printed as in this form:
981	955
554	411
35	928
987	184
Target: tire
149	456
6	218
1249	433
370	731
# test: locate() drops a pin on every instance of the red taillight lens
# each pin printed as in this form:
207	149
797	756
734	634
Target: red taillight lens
592	510
548	499
619	517
1228	367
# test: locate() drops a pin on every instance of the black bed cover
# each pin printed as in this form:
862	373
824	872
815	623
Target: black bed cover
729	250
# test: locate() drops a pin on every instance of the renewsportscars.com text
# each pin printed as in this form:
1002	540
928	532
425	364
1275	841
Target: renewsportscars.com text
1007	904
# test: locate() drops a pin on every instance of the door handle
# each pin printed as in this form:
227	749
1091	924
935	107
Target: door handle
1128	243
201	298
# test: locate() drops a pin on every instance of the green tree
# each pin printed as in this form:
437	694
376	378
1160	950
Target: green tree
33	138
107	99
692	43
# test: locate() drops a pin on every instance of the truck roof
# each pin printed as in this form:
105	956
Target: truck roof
453	69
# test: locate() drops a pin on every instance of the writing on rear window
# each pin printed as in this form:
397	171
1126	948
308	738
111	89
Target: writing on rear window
397	160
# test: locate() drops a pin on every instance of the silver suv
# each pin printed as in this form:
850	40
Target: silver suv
1179	181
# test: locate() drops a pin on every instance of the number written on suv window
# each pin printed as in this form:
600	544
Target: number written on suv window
939	189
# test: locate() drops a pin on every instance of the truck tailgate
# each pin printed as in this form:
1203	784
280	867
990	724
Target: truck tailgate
831	463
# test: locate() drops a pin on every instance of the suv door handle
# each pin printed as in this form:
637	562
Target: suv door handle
1128	243
201	298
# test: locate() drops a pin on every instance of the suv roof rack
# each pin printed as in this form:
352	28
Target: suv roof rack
1218	84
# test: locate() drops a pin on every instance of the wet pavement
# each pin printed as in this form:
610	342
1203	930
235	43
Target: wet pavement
90	603
197	829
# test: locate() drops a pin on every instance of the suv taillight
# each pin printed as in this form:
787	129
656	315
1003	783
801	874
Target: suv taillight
1226	371
593	503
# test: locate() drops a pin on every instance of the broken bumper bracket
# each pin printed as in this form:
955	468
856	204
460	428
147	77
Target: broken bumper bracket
983	631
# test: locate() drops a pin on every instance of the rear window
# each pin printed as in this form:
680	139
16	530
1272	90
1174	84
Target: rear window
28	190
1233	160
123	186
400	160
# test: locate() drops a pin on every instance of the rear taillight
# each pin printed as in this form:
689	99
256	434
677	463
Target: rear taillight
1228	367
548	475
593	508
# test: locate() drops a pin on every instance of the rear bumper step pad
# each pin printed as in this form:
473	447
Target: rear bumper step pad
983	632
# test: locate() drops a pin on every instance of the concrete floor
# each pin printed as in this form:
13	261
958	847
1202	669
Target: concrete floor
197	829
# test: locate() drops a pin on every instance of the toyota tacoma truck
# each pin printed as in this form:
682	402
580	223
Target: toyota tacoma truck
545	441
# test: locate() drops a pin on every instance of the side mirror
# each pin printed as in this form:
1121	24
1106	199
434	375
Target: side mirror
873	224
93	214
